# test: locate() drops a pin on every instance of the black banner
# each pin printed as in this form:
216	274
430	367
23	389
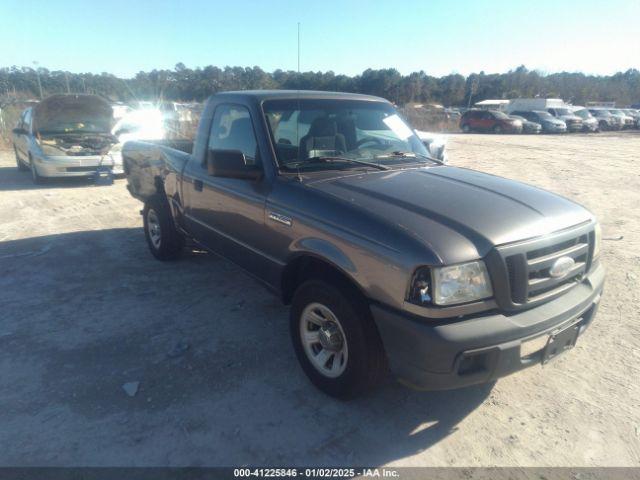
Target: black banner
400	473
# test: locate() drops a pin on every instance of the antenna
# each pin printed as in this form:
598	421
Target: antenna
298	48
298	116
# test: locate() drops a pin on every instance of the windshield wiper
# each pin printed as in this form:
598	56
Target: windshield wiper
342	159
399	154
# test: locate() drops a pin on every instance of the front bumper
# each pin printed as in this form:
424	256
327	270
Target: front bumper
590	126
574	127
510	128
76	166
452	354
554	129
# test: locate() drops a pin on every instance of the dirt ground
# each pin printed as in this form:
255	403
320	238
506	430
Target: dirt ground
84	309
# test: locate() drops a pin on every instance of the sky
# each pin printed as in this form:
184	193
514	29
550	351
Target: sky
347	37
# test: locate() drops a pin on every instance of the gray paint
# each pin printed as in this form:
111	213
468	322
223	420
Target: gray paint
376	227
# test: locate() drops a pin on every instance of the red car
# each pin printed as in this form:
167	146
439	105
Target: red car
489	121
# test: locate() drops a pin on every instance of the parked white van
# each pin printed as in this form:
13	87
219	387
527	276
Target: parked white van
529	104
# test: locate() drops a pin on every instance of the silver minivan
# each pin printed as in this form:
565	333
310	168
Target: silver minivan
66	136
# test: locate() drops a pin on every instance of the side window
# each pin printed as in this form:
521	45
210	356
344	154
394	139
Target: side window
26	123
21	120
232	130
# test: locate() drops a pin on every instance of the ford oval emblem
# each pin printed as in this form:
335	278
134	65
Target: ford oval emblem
561	267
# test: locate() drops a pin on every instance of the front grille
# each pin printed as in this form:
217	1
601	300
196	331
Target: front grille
82	169
528	266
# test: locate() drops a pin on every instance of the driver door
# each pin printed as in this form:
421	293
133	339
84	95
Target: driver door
227	214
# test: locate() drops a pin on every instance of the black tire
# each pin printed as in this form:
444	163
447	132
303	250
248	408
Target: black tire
498	129
466	128
19	163
35	176
165	242
366	363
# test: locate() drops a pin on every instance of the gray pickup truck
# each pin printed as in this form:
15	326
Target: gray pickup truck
390	260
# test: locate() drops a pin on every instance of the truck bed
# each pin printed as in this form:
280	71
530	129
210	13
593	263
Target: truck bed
150	164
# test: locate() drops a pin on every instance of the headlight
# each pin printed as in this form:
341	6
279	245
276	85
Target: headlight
451	285
597	240
461	283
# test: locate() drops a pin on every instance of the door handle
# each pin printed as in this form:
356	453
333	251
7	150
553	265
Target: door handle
197	185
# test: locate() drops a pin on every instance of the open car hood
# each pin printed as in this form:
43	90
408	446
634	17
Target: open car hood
73	113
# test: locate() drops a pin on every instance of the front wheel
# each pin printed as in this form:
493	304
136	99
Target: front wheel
466	128
164	240
497	129
335	339
19	163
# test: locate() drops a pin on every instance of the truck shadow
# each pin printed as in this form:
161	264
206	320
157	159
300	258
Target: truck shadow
86	312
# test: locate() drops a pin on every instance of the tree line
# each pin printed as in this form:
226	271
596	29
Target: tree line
187	84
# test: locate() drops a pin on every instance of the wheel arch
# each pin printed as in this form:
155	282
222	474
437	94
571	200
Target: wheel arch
308	264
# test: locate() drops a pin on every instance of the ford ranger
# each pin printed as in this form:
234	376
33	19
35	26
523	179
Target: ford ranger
389	259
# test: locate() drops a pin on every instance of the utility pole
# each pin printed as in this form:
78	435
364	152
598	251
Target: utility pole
66	79
38	75
473	88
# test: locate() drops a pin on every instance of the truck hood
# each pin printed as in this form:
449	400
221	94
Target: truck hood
73	113
459	213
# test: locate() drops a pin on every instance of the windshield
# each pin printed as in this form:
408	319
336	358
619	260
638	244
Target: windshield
583	113
544	115
500	115
564	111
616	112
306	131
81	126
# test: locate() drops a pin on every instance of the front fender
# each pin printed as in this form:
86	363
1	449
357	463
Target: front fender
324	250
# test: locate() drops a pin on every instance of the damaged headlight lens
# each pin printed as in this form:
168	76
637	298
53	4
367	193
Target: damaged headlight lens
597	240
461	283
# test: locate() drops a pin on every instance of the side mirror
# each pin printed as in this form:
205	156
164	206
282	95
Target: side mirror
19	131
231	164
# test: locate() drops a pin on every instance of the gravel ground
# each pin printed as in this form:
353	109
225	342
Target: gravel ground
85	309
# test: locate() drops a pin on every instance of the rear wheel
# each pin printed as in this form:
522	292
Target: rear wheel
335	339
164	240
466	128
19	163
497	129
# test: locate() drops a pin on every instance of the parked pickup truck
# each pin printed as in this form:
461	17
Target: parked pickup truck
389	259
